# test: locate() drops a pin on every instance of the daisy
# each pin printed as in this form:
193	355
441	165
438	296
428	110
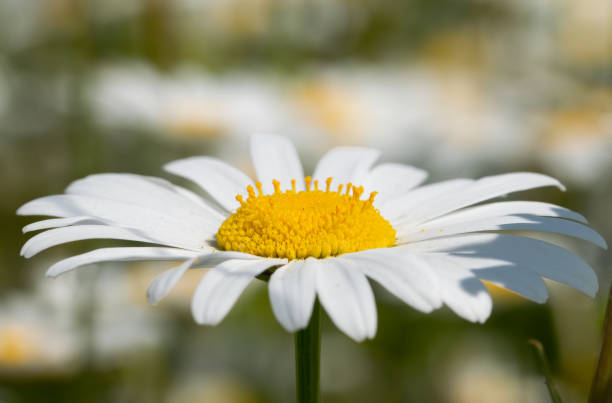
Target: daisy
185	102
321	237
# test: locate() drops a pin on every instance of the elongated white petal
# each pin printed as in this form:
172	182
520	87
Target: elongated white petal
509	208
59	236
218	257
345	164
481	190
142	191
222	285
162	284
347	297
547	260
392	180
123	254
186	193
292	293
190	232
520	223
396	208
403	274
275	157
460	290
221	181
522	280
60	222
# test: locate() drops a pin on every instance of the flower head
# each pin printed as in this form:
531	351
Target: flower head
322	236
309	223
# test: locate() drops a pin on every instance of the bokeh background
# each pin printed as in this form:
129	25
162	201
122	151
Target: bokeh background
458	87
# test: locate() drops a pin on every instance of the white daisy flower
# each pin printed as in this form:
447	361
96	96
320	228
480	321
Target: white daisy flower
322	237
185	103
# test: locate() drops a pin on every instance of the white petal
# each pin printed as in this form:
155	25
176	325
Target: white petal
186	193
547	260
508	208
345	164
60	222
392	180
221	181
522	280
162	284
118	254
59	236
347	297
433	229
217	257
481	190
222	285
188	231
402	273
460	290
143	191
397	207
275	157
292	293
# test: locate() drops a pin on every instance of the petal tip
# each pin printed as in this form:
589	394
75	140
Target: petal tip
24	250
52	272
151	298
561	186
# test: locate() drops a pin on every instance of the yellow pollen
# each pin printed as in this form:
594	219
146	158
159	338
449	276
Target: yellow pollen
309	223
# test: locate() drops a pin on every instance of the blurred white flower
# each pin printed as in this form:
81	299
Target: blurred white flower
37	331
585	32
448	120
477	124
386	107
186	103
121	324
477	374
577	144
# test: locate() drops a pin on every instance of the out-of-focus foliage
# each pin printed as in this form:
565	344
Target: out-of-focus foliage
460	88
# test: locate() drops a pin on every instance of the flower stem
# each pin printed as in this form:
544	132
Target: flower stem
307	359
601	389
552	388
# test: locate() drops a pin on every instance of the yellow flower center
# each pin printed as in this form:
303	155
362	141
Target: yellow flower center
16	348
296	225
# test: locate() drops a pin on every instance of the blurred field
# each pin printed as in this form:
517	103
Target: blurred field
460	88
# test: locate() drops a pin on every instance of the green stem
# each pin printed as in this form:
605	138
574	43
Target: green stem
601	389
552	388
307	359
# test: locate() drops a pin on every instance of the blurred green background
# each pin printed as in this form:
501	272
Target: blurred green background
458	87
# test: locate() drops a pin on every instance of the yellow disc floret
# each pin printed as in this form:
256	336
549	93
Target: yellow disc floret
297	225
